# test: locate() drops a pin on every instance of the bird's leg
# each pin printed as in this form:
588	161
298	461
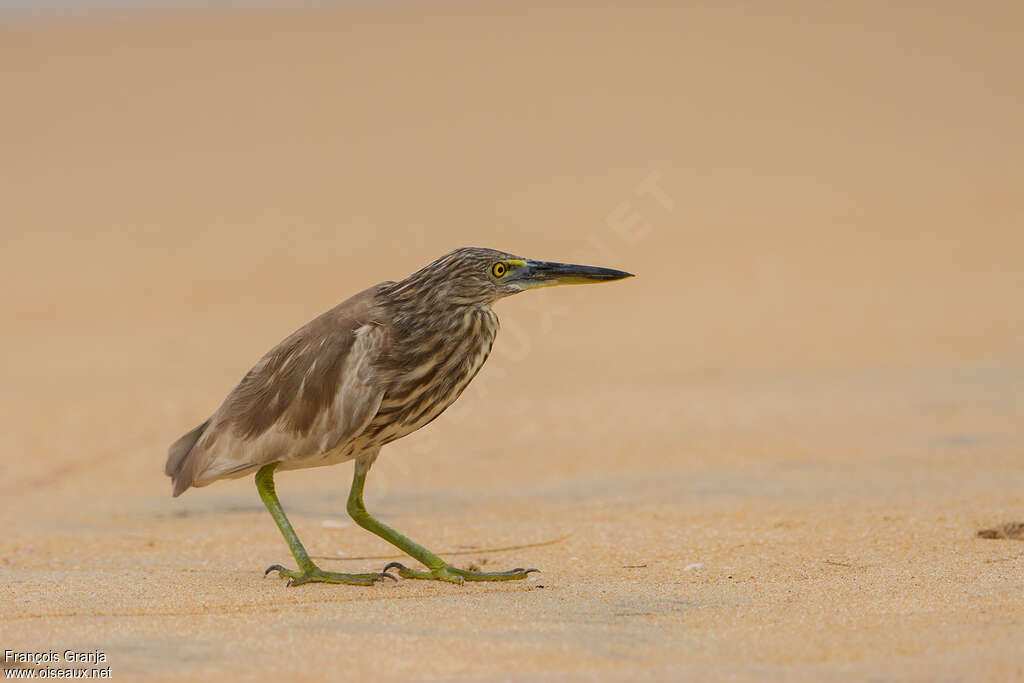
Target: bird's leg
437	569
308	572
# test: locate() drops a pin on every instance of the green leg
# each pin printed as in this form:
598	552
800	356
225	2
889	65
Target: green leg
308	572
437	569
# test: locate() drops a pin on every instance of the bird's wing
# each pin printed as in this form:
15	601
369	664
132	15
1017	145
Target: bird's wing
358	398
308	395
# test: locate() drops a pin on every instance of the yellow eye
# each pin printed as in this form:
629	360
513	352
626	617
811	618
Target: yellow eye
499	269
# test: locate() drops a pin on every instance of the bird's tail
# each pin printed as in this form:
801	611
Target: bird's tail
177	467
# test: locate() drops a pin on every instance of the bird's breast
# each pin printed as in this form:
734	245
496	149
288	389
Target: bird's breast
424	387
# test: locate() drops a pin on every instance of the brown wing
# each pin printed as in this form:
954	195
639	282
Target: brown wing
358	399
309	394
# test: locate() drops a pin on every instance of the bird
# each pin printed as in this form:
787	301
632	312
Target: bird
376	367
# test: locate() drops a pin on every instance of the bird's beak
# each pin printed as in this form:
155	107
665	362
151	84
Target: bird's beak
548	274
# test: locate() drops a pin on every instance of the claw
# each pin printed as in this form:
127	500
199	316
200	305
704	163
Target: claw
317	575
456	575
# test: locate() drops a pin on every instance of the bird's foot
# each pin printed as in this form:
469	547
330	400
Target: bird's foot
317	575
456	575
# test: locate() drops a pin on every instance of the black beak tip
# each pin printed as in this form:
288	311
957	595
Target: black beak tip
618	274
568	273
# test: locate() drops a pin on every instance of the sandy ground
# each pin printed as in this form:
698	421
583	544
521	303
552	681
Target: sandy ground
770	452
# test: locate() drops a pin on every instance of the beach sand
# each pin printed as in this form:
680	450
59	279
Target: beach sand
766	457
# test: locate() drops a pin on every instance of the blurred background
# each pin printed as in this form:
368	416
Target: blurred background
824	205
815	188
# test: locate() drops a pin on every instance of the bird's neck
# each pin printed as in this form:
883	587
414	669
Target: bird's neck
419	316
428	333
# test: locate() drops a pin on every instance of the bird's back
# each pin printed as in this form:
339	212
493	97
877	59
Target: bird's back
314	386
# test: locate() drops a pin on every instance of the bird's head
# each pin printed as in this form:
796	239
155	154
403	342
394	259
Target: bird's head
478	275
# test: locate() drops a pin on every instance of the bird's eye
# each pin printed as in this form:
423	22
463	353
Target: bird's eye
499	269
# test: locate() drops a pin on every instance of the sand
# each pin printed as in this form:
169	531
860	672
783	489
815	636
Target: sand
769	454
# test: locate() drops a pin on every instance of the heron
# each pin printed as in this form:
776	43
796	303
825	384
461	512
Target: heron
376	367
